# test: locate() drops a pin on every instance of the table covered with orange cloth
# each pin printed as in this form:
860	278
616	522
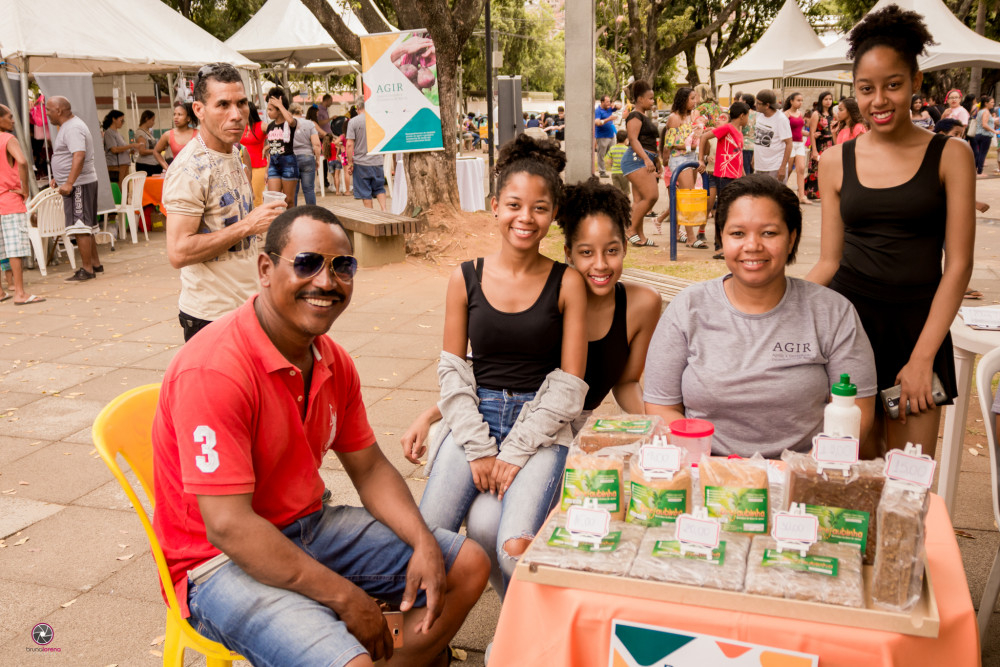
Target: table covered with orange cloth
152	192
548	625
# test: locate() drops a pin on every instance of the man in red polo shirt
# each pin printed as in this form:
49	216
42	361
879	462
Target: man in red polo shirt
247	411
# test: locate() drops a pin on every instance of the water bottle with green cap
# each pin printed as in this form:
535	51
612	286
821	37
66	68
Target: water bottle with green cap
842	416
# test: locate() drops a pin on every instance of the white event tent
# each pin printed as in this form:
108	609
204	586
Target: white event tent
957	45
789	35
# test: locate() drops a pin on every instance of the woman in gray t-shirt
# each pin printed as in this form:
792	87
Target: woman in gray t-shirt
116	151
755	352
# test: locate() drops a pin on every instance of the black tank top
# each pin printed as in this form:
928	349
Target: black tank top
647	132
893	236
514	351
606	358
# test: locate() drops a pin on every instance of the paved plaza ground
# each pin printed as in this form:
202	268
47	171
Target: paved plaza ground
73	553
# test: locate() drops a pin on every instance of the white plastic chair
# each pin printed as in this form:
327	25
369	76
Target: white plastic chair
989	366
47	206
130	208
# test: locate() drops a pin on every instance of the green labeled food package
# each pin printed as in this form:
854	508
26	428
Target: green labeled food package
736	492
845	502
829	573
898	575
624	432
660	559
657	500
554	546
597	476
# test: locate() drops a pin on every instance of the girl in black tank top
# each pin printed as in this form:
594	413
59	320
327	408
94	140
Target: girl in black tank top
884	227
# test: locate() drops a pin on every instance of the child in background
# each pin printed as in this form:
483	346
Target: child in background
336	167
618	179
728	156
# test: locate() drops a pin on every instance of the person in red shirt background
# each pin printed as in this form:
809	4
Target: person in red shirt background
254	138
247	411
728	156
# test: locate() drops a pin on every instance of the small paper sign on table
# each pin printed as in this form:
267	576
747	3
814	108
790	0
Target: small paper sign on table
660	459
795	530
981	318
910	466
698	533
835	453
588	522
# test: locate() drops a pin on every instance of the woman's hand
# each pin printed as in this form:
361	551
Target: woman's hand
503	476
650	165
414	441
482	471
916	387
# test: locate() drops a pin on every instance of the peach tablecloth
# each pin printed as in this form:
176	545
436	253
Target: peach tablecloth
152	191
548	626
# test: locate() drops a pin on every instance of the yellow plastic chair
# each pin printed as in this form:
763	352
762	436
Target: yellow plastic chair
125	426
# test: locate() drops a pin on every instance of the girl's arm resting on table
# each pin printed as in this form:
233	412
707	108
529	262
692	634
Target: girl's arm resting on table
643	308
960	234
831	240
867	406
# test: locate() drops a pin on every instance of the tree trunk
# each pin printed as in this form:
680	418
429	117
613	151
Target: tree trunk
692	67
976	77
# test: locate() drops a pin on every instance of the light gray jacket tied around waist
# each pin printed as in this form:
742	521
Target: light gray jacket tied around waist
544	420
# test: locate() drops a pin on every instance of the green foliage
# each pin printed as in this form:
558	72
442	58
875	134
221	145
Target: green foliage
221	18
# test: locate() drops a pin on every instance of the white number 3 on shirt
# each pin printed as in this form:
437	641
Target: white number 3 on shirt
210	459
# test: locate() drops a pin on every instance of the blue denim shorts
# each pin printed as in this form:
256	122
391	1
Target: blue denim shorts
272	626
369	181
631	162
285	167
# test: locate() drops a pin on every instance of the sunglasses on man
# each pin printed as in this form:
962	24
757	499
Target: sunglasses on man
305	265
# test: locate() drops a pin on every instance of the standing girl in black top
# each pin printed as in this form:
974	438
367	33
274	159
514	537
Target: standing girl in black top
640	162
510	412
282	167
891	199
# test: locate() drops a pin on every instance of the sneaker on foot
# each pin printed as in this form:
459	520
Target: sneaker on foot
98	269
81	275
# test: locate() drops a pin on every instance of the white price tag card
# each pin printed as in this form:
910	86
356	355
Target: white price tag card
666	458
587	521
795	527
702	532
828	449
905	467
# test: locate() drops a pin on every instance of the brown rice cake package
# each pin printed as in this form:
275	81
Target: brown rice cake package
657	500
845	502
736	492
597	476
555	546
829	573
898	575
628	431
660	558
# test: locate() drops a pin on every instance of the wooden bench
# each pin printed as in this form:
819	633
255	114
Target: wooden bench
377	236
667	286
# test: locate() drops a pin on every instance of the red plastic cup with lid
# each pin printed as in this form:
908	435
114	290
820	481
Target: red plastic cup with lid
694	436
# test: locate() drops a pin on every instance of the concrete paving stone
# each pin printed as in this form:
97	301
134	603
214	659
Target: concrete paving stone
429	296
112	384
425	380
480	625
990	644
113	352
15	399
419	346
361	322
52	417
19	513
144	294
77	548
371	395
11	448
972	497
389	371
111	496
425	322
6	636
43	348
343	491
60	473
25	605
33	323
85	436
96	630
136	581
159	361
978	554
351	340
401	407
30	377
161	332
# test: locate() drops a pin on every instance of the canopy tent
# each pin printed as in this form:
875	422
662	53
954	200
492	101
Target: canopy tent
285	31
957	45
97	36
788	35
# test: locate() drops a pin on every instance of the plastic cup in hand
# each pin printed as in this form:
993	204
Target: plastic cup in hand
275	196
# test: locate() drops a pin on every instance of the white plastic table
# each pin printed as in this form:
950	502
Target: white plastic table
968	343
471	172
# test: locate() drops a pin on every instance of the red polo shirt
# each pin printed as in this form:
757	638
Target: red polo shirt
229	422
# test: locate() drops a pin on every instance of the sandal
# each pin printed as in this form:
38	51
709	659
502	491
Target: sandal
31	299
718	255
700	244
634	240
682	236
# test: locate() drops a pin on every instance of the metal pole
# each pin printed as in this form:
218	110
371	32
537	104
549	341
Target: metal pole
579	130
19	128
489	94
